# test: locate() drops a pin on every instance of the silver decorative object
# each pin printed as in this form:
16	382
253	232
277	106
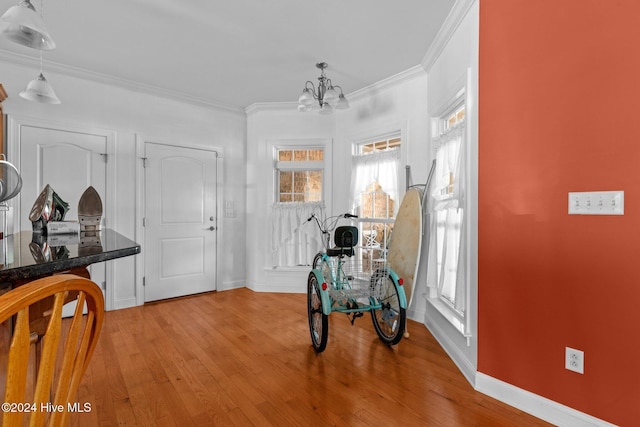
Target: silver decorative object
90	210
47	207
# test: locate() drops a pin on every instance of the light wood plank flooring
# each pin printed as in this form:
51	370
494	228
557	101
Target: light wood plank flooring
244	358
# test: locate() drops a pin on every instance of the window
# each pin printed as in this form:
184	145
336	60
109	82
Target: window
299	192
374	195
299	174
448	290
453	118
372	147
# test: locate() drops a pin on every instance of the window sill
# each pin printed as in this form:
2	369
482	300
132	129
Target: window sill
450	314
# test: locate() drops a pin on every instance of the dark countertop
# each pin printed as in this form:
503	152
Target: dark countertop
26	255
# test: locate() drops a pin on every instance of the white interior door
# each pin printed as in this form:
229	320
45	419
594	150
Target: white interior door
69	161
180	221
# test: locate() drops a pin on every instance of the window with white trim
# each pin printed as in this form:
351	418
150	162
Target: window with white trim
299	187
374	195
299	174
447	261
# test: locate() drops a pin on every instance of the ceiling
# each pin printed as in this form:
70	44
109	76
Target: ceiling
235	53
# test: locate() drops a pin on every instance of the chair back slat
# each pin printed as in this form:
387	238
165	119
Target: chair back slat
16	368
48	359
73	355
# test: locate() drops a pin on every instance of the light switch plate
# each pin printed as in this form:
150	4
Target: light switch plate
229	209
596	203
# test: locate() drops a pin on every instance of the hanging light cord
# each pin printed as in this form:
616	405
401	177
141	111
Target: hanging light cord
41	17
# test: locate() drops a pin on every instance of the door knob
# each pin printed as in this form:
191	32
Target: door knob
212	228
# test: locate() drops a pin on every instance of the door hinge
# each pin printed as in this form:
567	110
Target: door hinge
144	281
144	162
144	222
105	157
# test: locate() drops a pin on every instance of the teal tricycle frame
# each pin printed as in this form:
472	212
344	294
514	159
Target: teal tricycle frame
335	284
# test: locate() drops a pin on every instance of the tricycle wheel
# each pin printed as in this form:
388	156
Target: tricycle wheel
388	320
316	260
318	321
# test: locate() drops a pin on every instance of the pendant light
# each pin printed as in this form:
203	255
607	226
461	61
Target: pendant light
39	90
21	24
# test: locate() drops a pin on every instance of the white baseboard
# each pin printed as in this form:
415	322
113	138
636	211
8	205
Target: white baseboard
124	303
279	288
538	406
234	284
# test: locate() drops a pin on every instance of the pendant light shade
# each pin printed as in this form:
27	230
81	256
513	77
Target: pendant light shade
330	96
342	103
39	90
326	109
21	24
306	99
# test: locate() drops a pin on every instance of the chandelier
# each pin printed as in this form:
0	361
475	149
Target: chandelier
327	96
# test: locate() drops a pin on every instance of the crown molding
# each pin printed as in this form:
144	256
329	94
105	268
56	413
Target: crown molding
257	107
406	75
66	70
449	27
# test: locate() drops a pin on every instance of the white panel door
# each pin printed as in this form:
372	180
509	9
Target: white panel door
180	221
69	161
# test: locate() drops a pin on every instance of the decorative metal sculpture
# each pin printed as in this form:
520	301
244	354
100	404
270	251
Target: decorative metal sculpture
47	207
90	210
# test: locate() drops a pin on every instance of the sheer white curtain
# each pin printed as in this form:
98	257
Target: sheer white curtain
447	222
294	240
369	168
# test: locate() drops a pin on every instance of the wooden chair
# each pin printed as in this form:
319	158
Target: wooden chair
56	383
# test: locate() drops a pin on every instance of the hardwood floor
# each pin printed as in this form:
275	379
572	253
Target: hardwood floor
244	358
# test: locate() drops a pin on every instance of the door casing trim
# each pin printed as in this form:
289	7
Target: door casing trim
141	140
14	126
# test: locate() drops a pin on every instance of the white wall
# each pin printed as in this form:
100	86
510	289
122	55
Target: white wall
88	104
456	51
268	124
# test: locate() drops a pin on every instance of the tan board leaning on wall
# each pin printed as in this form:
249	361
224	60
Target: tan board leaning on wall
406	242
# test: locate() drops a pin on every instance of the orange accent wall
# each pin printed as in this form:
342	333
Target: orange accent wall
559	98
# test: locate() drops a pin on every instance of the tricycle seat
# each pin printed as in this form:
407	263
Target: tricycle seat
345	238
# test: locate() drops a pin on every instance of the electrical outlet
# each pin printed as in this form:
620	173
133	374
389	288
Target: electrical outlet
574	360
